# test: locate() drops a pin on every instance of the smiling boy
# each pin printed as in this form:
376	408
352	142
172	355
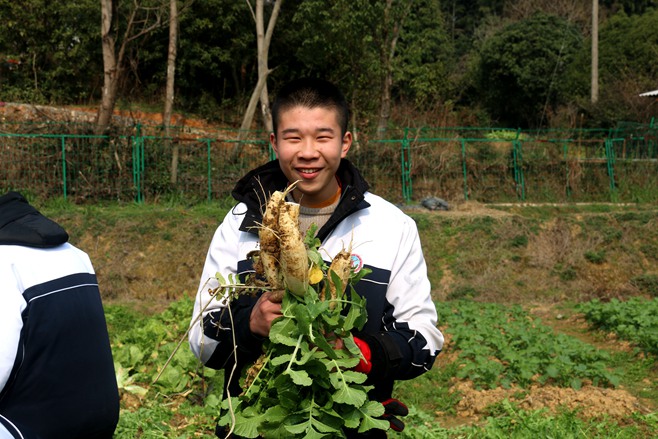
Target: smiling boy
310	138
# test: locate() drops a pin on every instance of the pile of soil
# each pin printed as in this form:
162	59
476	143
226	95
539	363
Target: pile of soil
589	401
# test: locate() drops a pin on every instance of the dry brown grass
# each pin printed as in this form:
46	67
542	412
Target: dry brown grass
152	255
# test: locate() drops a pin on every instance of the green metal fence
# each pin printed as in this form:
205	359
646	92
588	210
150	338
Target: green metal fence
455	163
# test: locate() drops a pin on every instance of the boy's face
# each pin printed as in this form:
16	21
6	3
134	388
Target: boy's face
309	146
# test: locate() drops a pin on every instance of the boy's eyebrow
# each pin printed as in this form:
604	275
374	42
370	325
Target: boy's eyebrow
297	130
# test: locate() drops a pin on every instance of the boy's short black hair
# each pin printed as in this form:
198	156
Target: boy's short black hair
310	93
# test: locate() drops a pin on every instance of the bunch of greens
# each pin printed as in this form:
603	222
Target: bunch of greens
304	385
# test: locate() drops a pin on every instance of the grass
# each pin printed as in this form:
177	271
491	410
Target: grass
547	259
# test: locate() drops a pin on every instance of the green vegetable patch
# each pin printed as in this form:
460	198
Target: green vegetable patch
502	345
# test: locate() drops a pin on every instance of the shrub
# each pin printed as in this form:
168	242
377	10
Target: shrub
647	283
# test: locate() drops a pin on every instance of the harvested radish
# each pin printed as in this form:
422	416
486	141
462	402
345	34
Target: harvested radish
304	384
294	260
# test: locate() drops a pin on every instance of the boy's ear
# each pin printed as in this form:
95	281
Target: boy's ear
347	143
273	143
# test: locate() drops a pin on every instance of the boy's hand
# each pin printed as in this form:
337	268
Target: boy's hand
263	314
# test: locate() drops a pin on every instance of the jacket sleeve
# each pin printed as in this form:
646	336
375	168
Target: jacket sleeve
219	332
410	340
12	305
9	430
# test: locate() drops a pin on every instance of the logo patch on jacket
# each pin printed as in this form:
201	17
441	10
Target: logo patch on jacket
357	262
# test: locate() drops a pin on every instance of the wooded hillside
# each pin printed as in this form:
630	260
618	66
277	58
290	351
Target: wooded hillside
400	62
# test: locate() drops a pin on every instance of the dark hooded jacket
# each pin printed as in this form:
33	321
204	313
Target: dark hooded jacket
62	383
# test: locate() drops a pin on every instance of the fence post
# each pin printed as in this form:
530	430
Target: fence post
518	168
63	143
406	167
565	150
464	171
610	161
208	158
138	162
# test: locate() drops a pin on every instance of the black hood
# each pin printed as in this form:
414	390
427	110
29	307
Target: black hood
22	224
254	188
251	190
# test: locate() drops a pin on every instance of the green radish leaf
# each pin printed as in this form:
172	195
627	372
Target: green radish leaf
345	363
351	346
315	257
360	275
356	316
276	415
302	316
346	394
372	411
247	426
281	359
350	320
311	242
309	434
351	416
289	399
351	376
316	309
332	320
373	408
338	282
307	355
312	427
321	342
283	332
299	377
220	278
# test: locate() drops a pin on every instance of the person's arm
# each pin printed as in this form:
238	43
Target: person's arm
219	331
9	430
12	305
411	340
11	322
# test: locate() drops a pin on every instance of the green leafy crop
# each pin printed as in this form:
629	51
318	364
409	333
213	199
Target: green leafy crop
633	320
304	385
502	345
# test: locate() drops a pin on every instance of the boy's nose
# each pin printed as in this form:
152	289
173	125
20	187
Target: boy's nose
308	148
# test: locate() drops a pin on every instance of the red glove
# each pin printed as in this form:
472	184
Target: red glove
393	408
365	365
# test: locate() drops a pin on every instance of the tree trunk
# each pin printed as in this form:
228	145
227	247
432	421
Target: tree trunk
595	51
249	115
111	60
110	68
263	68
169	94
263	39
387	57
356	145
